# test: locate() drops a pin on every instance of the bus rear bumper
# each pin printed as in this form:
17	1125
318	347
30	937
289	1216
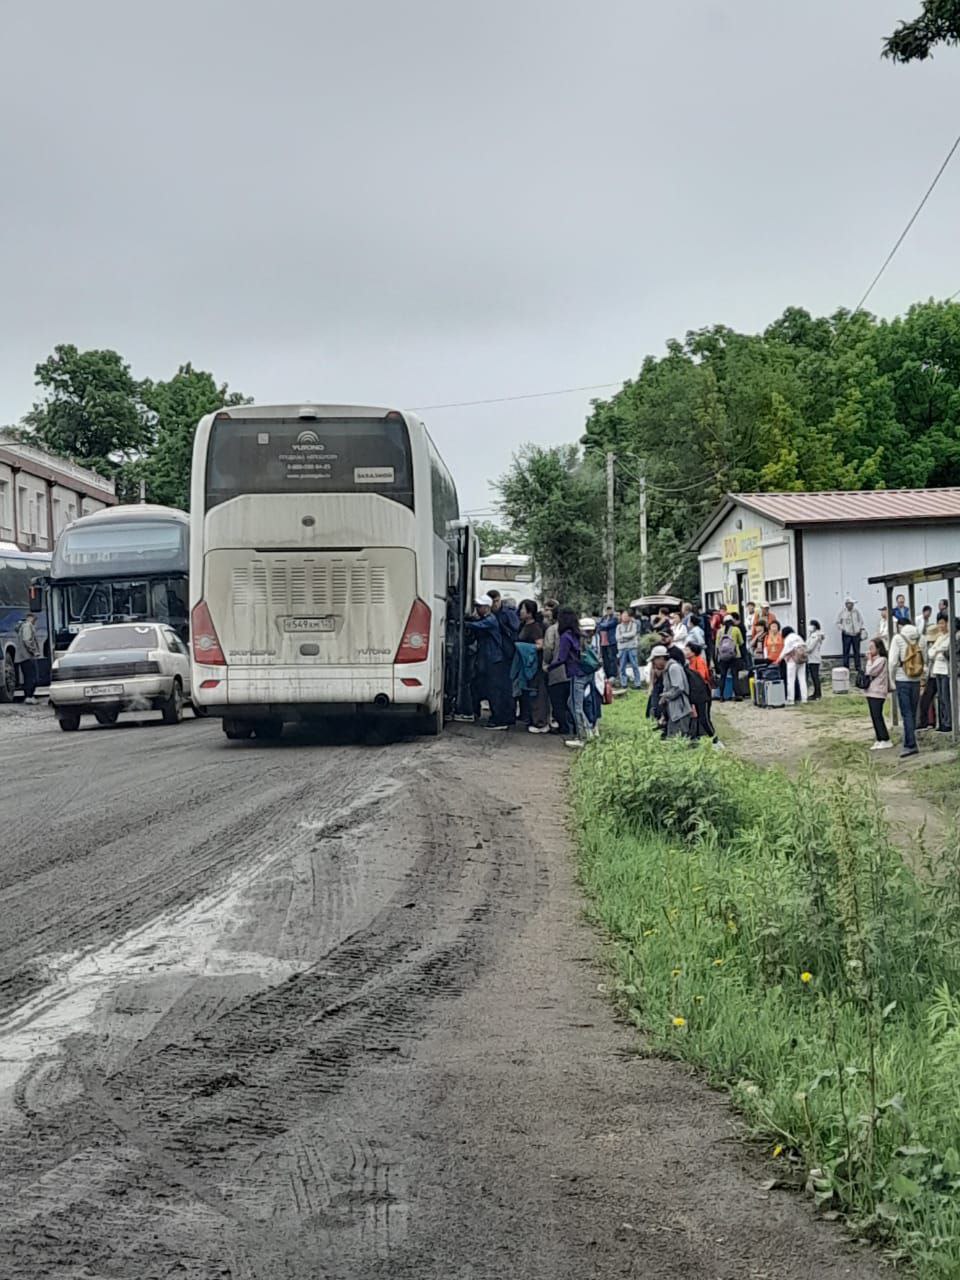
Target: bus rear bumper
291	694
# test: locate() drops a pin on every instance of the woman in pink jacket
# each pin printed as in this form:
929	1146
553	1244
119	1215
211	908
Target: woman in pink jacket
877	690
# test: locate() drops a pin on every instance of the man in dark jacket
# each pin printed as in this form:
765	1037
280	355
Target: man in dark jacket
493	666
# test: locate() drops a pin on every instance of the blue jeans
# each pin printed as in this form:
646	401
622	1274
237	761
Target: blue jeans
851	647
908	697
943	702
578	691
628	658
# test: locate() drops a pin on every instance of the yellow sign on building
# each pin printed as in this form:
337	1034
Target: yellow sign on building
742	551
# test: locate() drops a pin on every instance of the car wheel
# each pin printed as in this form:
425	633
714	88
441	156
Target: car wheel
172	709
198	711
69	721
268	730
237	730
106	717
8	678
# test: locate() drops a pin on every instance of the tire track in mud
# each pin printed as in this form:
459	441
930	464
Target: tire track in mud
225	1093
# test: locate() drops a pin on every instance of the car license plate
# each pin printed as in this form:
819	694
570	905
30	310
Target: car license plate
102	690
297	626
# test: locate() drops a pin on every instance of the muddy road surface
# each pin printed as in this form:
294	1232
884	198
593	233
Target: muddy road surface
294	1010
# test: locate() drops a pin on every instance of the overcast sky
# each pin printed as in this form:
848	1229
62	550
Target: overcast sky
429	201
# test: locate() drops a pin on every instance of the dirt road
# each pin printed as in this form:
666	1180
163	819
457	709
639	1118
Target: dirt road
286	1011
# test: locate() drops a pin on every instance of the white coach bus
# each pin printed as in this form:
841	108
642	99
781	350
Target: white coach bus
510	573
320	558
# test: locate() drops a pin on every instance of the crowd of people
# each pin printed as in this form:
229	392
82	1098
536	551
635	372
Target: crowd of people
544	669
550	671
910	661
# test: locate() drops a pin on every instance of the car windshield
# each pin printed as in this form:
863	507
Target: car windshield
109	639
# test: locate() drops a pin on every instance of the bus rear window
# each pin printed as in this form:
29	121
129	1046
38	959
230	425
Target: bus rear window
332	455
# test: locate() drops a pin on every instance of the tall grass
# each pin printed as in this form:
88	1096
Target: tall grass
768	931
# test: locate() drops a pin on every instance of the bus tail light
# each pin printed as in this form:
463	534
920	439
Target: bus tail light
415	645
206	644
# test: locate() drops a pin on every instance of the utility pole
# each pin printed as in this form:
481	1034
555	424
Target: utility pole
643	531
143	490
611	546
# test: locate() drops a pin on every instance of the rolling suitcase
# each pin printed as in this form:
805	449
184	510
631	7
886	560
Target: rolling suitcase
743	684
776	693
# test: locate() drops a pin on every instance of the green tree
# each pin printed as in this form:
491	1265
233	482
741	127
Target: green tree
493	537
176	407
556	503
938	23
91	412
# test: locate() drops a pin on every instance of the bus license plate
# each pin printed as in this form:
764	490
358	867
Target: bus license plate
297	626
102	690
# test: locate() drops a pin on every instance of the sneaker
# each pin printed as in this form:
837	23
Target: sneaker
718	745
876	746
497	728
573	742
532	728
911	751
465	719
885	746
30	702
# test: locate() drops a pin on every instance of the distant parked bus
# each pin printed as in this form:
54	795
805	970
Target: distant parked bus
21	592
122	564
509	573
323	562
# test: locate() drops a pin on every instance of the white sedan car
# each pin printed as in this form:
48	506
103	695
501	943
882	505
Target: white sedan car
125	666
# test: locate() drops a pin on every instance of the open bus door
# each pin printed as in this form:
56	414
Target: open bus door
464	554
39	599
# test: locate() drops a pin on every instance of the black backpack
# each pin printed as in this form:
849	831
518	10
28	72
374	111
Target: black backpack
700	691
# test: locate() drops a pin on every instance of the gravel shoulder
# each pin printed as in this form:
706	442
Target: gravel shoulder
288	1010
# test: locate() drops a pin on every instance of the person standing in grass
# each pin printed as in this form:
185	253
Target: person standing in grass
674	693
938	672
627	649
906	666
815	639
877	691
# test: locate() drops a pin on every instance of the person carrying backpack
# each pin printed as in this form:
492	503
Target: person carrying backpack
906	666
729	651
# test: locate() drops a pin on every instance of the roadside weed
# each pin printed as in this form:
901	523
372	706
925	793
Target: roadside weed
768	930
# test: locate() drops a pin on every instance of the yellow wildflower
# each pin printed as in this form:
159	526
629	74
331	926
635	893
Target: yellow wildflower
698	999
679	1022
674	973
777	1151
806	976
717	963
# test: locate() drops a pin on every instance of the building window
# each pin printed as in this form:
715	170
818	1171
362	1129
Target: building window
3	505
777	591
713	600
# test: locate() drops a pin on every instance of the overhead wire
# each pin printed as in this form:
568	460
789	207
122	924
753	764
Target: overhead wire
906	230
530	395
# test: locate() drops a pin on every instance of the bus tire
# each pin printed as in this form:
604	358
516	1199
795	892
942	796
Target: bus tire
69	721
106	717
237	730
268	730
199	710
172	707
431	722
8	677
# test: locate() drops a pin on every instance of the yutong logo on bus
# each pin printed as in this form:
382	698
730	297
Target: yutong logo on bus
374	653
308	440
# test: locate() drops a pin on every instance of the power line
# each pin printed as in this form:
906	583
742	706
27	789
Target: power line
530	395
906	230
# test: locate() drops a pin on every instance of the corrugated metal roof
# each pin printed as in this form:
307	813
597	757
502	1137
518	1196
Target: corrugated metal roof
853	506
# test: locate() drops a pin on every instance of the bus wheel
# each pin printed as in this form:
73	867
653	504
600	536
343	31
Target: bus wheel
106	717
268	730
431	722
8	678
237	730
69	721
